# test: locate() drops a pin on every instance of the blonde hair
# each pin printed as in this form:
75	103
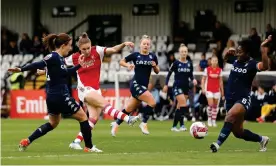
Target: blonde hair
182	45
214	56
145	37
83	39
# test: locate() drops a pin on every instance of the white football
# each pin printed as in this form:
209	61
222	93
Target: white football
198	130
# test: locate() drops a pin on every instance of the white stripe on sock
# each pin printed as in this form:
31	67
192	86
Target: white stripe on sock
113	112
119	116
106	109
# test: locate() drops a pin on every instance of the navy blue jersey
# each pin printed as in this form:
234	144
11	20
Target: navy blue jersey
58	98
57	72
183	73
143	66
240	79
56	69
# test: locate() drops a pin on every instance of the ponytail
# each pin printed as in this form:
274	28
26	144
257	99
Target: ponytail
49	42
54	41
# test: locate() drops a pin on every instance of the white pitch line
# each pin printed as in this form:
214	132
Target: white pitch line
106	154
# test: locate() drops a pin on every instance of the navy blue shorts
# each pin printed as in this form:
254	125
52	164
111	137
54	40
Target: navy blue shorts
58	103
246	102
137	90
180	90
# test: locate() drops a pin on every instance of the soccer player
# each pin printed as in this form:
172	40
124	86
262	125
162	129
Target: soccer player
89	83
183	70
238	94
143	63
212	87
89	91
58	98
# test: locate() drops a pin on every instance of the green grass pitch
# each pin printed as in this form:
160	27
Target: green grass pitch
130	146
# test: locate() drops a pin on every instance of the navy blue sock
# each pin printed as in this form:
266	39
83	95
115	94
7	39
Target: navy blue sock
87	133
249	136
120	121
182	110
224	133
145	117
148	110
39	132
176	117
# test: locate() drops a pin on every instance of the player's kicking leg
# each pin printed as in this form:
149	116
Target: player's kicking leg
98	101
132	105
234	122
115	125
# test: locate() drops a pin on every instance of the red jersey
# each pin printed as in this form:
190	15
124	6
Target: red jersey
90	74
213	75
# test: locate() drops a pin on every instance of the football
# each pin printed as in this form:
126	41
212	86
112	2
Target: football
198	130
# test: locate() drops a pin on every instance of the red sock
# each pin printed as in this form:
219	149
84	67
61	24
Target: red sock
79	138
92	122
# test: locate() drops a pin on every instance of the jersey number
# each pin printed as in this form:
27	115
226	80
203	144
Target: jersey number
244	101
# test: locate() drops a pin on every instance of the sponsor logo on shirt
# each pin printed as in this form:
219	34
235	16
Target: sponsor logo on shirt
239	70
143	63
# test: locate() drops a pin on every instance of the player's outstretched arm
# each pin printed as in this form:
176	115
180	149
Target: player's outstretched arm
117	48
127	65
129	58
82	63
73	69
32	66
262	66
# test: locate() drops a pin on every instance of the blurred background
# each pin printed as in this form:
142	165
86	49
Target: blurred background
207	27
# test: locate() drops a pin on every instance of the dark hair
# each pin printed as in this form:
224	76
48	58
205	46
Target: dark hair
83	39
54	41
26	35
246	45
254	29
